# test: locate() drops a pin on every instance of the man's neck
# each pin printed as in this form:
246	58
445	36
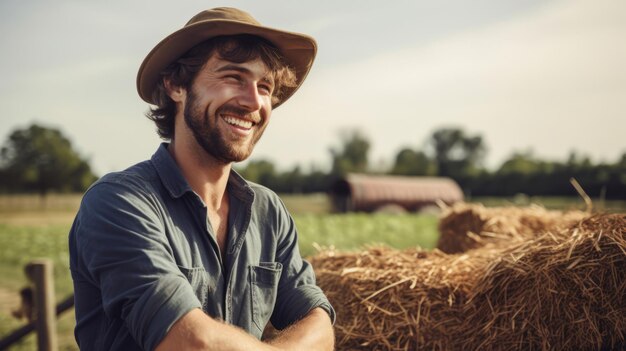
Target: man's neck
206	175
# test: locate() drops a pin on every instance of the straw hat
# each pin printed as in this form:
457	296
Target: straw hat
297	49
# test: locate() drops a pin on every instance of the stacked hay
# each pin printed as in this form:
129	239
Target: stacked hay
398	300
469	226
562	290
565	290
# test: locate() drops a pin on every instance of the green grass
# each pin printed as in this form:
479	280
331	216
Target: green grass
19	245
30	229
354	231
307	204
27	235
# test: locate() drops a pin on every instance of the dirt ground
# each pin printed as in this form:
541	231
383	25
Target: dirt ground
9	301
37	219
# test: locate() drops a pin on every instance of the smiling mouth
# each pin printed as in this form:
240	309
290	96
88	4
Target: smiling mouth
242	123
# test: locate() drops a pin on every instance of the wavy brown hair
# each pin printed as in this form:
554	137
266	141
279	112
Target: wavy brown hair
235	48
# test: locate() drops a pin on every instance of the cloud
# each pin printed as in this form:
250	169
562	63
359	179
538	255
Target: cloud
550	79
543	75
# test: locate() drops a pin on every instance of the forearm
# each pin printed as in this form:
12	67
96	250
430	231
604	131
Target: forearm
313	332
197	331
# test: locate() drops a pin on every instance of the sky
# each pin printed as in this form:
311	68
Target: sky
541	76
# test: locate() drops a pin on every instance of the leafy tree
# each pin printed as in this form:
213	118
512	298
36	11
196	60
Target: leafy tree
294	179
352	156
577	161
522	163
621	164
316	181
617	184
457	155
40	159
259	171
410	162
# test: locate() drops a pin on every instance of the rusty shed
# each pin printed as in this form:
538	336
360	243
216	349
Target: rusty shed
368	193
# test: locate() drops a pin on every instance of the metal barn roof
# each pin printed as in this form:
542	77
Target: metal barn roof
361	192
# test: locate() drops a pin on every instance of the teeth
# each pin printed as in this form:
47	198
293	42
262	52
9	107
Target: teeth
238	122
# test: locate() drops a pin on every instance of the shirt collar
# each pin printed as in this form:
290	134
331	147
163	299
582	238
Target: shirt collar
176	184
167	169
239	187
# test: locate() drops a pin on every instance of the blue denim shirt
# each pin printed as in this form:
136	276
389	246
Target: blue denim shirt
143	254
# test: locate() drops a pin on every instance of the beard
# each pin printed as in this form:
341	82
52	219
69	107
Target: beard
208	135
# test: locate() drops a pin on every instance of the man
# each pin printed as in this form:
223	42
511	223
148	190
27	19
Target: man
179	252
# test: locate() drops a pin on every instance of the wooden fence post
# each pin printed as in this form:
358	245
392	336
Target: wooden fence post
40	273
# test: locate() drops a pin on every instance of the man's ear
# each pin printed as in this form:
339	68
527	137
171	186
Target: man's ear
175	92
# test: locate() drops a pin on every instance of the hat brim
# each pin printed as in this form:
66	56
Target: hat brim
298	50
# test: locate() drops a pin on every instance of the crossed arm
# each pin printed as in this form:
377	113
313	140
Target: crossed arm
197	331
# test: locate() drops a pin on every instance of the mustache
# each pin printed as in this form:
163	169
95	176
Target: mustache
239	112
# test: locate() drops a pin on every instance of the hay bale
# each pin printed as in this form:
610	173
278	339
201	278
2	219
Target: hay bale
464	226
561	290
397	300
564	290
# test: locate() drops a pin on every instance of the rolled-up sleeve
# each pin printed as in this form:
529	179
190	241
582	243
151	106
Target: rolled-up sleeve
122	248
297	291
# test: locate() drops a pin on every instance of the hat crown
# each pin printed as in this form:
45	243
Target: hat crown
298	50
223	13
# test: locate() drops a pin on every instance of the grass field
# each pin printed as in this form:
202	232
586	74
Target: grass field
19	244
33	228
554	203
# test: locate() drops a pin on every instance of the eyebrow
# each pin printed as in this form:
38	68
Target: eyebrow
231	67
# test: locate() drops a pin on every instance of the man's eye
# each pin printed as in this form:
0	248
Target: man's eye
233	77
265	88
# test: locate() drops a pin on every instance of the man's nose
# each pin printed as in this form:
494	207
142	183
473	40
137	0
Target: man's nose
250	98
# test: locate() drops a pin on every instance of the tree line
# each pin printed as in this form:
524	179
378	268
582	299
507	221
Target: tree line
454	153
39	159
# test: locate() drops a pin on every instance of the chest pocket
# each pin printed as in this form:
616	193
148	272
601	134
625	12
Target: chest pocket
200	282
264	287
